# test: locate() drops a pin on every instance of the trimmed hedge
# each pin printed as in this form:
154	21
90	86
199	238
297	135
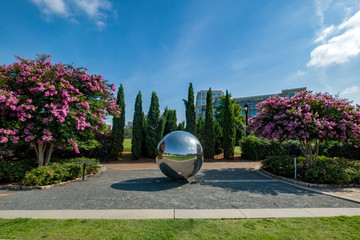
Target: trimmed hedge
255	148
57	172
284	165
325	171
11	171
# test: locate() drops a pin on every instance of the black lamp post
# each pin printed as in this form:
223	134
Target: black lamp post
246	109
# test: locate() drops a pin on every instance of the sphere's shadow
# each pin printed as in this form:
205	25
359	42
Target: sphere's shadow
147	184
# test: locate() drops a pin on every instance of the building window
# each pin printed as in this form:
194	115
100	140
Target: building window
291	94
199	98
203	102
203	98
199	102
219	94
213	94
204	94
218	102
253	106
213	98
200	110
243	113
253	113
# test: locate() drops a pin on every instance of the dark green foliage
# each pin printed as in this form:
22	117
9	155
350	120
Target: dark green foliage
228	128
208	133
58	172
155	127
11	171
190	111
218	137
339	149
199	130
333	171
181	126
255	148
137	131
117	133
238	118
284	165
171	121
143	133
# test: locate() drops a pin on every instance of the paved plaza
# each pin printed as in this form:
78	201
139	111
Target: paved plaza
224	188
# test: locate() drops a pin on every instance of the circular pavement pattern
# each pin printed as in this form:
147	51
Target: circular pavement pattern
150	189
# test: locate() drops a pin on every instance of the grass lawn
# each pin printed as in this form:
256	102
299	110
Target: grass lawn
237	150
283	228
127	145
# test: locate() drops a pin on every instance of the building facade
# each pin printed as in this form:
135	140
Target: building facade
250	101
200	104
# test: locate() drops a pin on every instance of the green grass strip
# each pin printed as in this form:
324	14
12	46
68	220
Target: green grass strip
282	228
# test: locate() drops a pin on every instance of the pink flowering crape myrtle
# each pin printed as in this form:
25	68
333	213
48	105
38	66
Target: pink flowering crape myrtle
309	118
50	105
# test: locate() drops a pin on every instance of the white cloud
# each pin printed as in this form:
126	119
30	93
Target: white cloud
325	33
94	9
351	90
51	6
343	44
351	93
300	73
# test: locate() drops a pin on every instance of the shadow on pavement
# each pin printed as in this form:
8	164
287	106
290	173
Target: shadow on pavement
147	184
256	184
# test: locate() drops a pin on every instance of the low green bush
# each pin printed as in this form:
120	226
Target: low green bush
324	171
333	171
57	172
283	165
255	148
339	149
11	171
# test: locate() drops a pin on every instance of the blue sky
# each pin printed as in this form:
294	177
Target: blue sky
248	47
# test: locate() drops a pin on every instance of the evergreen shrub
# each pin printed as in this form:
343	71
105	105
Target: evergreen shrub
57	172
284	165
11	171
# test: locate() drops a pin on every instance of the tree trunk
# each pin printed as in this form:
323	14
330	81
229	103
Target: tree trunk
40	152
306	148
316	150
48	155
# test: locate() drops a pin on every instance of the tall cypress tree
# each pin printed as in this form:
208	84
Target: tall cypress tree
171	121
153	127
117	132
209	135
137	132
190	111
228	128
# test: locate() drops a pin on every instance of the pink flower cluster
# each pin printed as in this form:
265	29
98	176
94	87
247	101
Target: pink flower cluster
74	144
39	98
307	116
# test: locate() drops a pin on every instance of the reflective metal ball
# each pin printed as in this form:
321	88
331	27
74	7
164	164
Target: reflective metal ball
180	155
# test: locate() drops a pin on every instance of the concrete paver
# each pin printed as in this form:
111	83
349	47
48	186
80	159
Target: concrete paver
208	213
179	213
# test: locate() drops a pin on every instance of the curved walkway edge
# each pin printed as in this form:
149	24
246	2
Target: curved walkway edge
354	196
180	213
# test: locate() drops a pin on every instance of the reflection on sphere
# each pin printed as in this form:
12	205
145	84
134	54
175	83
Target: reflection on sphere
180	155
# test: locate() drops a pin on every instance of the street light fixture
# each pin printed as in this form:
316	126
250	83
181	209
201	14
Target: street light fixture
246	109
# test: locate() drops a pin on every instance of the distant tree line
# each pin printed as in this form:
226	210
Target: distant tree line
221	129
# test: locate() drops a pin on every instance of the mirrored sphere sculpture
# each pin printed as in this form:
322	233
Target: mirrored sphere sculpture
180	155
